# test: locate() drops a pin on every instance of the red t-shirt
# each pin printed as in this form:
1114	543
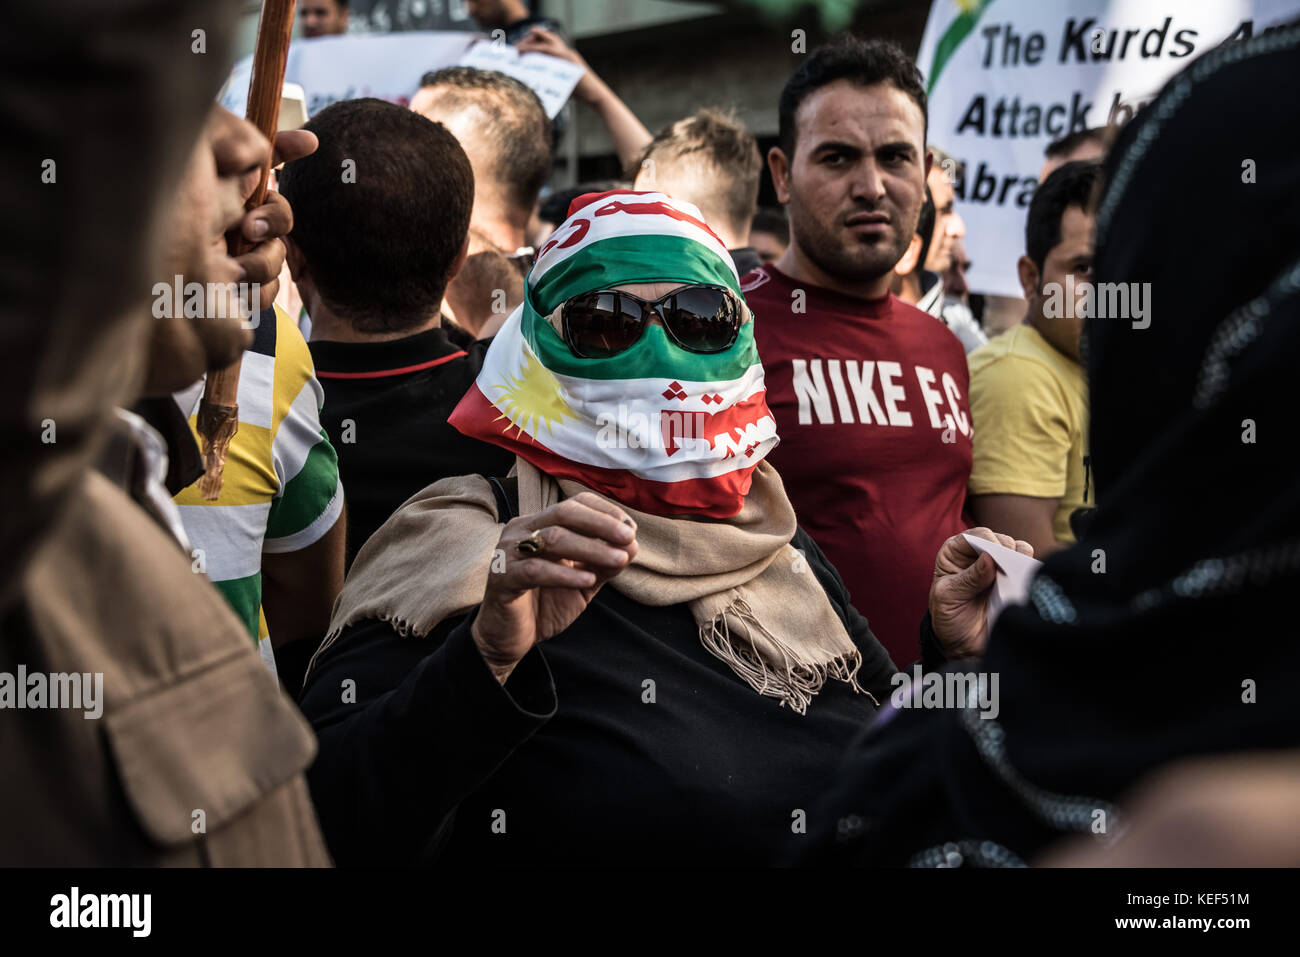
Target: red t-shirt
870	401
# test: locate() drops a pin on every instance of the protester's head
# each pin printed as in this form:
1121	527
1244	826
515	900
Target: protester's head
954	279
1089	144
381	213
222	171
851	164
633	291
505	132
323	18
486	289
769	234
496	14
1059	236
948	226
711	160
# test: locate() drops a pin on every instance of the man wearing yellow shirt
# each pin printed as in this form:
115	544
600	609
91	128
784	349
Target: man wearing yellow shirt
1028	390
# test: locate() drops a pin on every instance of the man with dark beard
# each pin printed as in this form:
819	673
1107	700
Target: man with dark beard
869	393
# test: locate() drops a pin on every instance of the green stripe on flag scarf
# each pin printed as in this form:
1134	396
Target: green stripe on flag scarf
620	260
957	31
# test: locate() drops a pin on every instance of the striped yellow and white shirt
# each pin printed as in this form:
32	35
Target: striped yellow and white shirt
281	491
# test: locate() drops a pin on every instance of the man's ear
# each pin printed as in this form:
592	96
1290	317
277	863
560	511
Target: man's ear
1027	270
905	265
929	163
779	166
459	262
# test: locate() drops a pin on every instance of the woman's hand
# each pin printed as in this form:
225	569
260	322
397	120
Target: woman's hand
959	593
584	542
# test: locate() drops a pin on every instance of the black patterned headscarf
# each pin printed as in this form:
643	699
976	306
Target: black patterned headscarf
1169	629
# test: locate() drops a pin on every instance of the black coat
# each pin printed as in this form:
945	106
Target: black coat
620	741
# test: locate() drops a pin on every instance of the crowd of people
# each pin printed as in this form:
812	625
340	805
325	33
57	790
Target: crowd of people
604	526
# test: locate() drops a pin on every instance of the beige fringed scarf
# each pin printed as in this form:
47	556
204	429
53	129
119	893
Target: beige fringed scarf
759	606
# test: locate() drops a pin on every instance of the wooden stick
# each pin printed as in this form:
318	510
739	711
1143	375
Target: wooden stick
218	418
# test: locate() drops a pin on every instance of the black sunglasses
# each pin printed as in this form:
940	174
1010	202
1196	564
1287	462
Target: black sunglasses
699	318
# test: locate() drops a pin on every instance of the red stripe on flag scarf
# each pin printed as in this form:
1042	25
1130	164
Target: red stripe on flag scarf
719	497
586	199
644	207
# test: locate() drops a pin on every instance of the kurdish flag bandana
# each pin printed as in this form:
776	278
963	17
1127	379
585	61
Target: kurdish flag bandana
658	428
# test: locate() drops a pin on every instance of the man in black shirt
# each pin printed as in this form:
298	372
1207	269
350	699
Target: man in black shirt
381	220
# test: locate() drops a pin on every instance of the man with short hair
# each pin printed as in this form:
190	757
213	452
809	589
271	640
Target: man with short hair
323	18
948	224
949	229
372	259
869	393
1028	391
711	160
1089	144
503	129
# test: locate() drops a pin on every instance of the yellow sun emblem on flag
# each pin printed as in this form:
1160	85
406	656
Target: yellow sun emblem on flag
531	399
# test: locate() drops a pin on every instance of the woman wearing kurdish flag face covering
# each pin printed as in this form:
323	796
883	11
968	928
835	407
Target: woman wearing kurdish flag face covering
685	714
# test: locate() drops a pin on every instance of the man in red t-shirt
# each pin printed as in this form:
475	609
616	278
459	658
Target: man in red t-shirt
869	393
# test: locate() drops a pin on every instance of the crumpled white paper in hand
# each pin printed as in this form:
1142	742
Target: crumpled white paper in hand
1015	571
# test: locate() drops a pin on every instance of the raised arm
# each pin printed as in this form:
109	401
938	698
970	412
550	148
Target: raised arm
629	135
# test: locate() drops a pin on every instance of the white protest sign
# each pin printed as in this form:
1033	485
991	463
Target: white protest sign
1015	571
387	66
551	78
1007	77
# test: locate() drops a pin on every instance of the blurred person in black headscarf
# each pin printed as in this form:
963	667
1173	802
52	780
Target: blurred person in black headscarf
1164	633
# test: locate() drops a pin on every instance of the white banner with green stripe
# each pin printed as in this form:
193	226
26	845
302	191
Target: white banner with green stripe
1007	77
